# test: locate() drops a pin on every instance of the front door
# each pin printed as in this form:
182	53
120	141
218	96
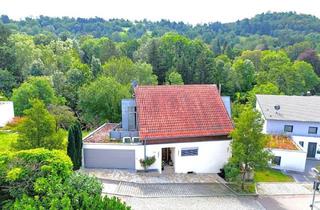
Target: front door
312	147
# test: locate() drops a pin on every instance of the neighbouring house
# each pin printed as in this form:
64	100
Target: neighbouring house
185	127
298	118
287	154
6	112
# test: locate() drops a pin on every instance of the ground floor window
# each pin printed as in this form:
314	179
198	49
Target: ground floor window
301	143
189	152
276	160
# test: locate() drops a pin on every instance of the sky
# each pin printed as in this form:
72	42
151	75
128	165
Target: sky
189	11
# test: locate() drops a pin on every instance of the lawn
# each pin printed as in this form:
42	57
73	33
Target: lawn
271	175
6	139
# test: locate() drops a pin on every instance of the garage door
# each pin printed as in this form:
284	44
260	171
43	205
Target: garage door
109	158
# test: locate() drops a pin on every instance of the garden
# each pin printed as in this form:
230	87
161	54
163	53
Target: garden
39	162
249	162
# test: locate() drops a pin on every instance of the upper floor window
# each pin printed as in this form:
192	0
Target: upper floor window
288	128
132	118
313	130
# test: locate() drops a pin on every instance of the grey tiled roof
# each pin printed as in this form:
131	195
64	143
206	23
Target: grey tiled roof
292	108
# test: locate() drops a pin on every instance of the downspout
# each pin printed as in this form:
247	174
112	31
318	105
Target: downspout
145	149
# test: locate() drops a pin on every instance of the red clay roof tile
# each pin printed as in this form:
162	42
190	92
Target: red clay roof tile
181	111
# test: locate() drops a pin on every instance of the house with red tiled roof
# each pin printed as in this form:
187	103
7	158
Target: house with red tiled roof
183	128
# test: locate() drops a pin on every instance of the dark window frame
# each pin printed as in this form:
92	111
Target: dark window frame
301	143
276	160
288	130
313	127
185	152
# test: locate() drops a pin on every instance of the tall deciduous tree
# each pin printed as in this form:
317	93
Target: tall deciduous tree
244	74
63	115
124	71
35	87
265	89
248	145
100	100
174	78
311	57
38	129
7	82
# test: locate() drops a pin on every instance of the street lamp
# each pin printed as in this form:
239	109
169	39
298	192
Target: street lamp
316	184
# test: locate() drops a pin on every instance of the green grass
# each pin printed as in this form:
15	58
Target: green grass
6	139
249	188
271	175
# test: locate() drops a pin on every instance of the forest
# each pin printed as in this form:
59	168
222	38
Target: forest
82	68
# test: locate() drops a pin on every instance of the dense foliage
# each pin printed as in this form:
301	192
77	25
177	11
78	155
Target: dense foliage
248	145
43	179
84	67
38	129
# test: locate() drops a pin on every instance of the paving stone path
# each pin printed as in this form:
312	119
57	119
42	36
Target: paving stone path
284	189
152	177
158	190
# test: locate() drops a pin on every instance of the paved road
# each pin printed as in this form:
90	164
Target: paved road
307	175
194	203
299	202
209	196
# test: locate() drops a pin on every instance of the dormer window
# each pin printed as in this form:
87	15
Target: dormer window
313	130
288	128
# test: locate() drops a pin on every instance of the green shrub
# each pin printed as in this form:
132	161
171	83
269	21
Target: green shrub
147	162
231	171
43	179
79	191
20	170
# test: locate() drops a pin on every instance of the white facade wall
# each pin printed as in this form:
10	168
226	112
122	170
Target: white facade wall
6	112
299	128
212	155
293	160
306	140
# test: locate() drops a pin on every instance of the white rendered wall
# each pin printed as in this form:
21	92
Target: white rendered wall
291	160
299	128
212	155
306	140
6	112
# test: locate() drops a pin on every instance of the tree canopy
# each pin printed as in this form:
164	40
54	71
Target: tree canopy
38	129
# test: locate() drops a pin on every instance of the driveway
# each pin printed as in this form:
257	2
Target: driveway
159	190
152	177
306	176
